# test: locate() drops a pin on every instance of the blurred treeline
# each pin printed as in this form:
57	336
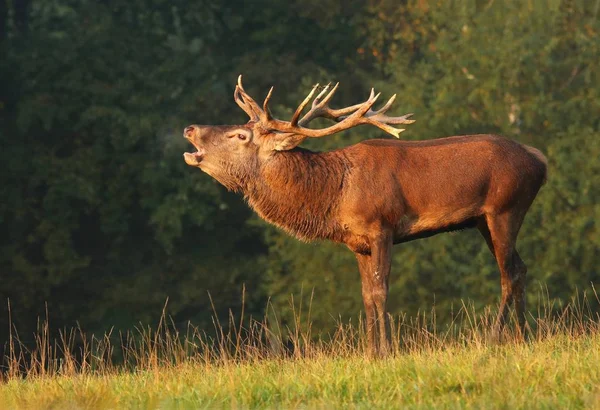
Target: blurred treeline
102	220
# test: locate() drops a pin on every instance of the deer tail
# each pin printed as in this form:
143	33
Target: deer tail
541	157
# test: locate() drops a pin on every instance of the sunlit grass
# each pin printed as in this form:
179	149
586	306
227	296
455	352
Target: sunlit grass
263	364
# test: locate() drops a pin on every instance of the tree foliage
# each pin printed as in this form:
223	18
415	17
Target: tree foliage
102	220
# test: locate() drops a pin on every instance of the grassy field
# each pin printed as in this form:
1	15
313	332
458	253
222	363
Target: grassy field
559	367
558	373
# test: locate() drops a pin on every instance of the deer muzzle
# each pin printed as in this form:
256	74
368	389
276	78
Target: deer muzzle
193	158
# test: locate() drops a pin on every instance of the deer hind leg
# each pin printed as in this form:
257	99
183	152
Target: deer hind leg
519	291
500	232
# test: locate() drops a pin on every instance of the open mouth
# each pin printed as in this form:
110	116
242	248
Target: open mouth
194	158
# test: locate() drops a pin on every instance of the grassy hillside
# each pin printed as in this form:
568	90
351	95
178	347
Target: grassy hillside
261	366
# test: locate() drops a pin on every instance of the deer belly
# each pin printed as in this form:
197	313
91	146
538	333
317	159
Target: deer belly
440	221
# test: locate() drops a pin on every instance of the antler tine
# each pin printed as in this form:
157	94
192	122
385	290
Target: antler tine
318	97
342	113
247	97
381	121
386	106
367	106
319	106
391	130
247	103
378	115
266	105
303	104
321	109
239	99
329	96
364	107
394	120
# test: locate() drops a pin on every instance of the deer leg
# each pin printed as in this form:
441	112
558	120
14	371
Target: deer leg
364	266
381	261
485	232
503	230
482	226
519	291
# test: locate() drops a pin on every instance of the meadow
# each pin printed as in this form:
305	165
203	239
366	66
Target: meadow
251	363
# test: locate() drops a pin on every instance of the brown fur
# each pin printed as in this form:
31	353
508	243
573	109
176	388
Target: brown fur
379	192
299	192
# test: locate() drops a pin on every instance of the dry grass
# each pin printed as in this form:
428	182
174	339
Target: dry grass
254	363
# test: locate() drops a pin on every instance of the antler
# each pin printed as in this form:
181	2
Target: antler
320	108
346	118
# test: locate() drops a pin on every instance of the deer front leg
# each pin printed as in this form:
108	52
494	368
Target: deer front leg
381	262
364	266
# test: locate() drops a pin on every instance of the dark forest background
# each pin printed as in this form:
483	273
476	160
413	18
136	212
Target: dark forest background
101	220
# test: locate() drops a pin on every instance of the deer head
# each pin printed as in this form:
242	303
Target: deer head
232	153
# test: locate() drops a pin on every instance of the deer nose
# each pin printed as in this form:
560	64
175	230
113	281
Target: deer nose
189	131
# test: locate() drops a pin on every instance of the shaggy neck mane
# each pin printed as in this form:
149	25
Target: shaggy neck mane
298	191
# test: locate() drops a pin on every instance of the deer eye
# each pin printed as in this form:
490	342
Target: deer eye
241	137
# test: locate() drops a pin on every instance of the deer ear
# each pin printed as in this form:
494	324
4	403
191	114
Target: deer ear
285	141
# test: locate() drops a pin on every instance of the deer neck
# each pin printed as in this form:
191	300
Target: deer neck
299	191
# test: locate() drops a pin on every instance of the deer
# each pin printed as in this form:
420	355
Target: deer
378	192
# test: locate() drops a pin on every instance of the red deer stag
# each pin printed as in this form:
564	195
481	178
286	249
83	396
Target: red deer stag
376	193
